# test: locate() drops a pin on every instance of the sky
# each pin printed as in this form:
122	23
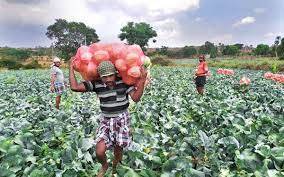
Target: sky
23	23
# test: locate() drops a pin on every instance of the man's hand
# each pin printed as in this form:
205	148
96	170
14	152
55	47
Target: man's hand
74	85
71	62
52	88
143	73
136	95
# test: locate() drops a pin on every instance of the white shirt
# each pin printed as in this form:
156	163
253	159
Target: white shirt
58	73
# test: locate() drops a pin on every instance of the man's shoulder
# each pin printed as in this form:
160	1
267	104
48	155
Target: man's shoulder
93	82
55	68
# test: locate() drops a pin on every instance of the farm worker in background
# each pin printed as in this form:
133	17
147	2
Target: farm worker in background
202	71
57	80
114	124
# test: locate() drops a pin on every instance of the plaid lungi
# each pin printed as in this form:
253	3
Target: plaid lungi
115	131
59	88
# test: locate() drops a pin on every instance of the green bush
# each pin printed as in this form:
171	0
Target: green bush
267	64
213	53
42	51
161	60
19	54
33	65
274	68
10	63
189	51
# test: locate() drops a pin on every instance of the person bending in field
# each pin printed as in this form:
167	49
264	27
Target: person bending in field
114	124
202	71
57	81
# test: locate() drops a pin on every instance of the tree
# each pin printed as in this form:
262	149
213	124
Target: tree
69	36
221	47
231	50
207	48
280	50
42	51
240	46
276	43
163	50
202	50
189	51
213	53
19	54
137	33
262	49
10	62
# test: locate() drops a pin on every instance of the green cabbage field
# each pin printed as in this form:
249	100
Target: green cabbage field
230	131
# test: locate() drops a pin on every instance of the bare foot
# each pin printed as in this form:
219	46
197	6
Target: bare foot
113	172
114	165
102	171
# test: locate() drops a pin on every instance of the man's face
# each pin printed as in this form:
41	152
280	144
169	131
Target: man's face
57	64
109	80
201	59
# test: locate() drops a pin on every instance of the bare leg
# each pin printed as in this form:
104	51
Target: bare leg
200	90
101	155
58	101
117	157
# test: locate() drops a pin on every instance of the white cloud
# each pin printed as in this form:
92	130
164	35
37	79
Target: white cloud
107	17
259	10
268	35
36	9
80	10
224	38
45	13
162	6
168	23
198	19
244	21
166	28
273	35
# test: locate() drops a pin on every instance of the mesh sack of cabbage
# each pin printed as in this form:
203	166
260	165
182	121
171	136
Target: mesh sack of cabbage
128	60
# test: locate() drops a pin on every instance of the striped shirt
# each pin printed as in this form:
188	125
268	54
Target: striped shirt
112	101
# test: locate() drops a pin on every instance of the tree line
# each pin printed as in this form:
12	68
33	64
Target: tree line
209	48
